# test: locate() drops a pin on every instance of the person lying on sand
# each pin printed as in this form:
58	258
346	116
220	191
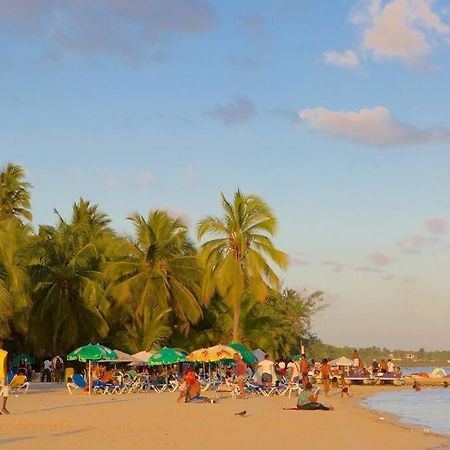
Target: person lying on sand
307	400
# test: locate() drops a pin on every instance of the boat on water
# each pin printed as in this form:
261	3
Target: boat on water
436	378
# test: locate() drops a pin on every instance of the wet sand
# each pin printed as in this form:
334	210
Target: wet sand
49	418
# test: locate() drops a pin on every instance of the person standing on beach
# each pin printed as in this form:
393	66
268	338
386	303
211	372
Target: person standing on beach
266	366
325	371
356	358
240	371
294	371
304	369
4	388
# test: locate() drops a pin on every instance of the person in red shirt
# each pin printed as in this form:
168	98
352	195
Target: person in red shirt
240	371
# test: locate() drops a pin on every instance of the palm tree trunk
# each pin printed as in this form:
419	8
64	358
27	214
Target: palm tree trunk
55	340
236	311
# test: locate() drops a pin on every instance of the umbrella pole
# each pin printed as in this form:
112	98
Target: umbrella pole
89	377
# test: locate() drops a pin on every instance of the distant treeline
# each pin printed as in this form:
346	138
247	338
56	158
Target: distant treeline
319	350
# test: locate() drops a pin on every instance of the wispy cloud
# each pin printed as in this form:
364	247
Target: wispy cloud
436	225
105	27
368	269
370	126
380	259
290	114
402	29
335	266
347	59
414	245
252	23
238	110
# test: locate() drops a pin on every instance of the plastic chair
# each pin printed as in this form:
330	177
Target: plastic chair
78	382
19	384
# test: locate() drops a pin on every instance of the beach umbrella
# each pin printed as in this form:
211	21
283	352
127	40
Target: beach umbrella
259	354
92	352
121	357
167	356
16	360
212	354
342	361
247	355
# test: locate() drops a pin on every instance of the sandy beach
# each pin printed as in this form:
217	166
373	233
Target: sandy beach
47	417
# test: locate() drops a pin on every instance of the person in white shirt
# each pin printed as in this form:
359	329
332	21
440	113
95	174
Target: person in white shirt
46	375
294	371
390	366
266	368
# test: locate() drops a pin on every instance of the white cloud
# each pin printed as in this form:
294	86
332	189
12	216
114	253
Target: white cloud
414	245
404	29
371	126
348	58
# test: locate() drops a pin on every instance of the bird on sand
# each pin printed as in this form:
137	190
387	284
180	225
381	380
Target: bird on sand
242	413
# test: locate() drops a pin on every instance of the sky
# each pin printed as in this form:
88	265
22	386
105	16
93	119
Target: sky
336	112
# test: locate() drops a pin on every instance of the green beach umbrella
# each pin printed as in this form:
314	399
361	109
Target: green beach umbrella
167	356
16	360
247	355
91	352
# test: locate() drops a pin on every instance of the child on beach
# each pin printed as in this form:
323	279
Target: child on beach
345	389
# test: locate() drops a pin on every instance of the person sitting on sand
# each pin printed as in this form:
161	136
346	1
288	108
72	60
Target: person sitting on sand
195	394
183	389
335	383
307	400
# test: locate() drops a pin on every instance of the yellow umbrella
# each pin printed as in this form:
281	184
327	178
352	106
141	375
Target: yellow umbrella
212	354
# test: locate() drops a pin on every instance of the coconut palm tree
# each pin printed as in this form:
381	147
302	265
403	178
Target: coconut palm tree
158	271
15	198
69	301
14	285
237	252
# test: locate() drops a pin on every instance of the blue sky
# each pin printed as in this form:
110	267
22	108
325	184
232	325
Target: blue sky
337	113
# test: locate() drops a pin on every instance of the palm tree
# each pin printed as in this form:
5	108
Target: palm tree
238	250
15	198
158	271
14	286
69	301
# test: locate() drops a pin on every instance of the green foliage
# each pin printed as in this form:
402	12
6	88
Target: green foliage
78	281
237	253
15	198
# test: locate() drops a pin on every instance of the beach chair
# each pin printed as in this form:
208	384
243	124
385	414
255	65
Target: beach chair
78	382
227	388
19	384
294	387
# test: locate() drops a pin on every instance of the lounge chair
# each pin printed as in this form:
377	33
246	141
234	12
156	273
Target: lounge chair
78	382
19	384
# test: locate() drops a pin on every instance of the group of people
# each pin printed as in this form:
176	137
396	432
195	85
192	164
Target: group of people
53	369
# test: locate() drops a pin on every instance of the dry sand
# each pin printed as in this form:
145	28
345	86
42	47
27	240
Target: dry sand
48	418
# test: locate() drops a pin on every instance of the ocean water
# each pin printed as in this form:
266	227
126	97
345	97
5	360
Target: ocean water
429	408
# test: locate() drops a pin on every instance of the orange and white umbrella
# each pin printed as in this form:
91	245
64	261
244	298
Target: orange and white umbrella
212	354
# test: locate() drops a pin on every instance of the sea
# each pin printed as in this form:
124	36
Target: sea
428	409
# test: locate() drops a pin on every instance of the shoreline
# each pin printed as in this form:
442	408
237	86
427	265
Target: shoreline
52	418
396	419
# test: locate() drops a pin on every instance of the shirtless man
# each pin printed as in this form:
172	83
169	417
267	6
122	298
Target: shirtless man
304	368
4	388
